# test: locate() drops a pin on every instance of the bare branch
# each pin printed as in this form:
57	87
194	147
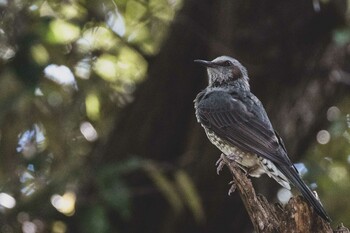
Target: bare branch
295	217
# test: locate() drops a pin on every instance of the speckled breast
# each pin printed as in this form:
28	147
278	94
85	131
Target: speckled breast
245	159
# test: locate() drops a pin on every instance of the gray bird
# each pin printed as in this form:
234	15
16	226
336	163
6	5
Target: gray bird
236	122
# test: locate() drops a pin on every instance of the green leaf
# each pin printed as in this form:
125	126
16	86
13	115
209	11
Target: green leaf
166	187
190	195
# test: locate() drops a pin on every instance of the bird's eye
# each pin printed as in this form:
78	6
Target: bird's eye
227	63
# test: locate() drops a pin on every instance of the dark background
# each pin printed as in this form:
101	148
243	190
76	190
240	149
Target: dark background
118	149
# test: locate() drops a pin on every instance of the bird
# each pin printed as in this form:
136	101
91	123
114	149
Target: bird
236	122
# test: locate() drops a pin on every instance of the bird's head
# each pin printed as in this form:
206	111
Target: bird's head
225	70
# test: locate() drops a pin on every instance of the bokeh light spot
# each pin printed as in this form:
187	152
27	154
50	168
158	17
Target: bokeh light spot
88	131
22	217
106	67
284	195
302	169
29	227
64	204
83	68
72	10
59	227
32	141
7	201
40	54
115	22
333	113
338	173
63	32
323	137
46	10
61	75
96	38
92	104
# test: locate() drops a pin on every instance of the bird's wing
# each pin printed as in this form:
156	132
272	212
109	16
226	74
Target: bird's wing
246	127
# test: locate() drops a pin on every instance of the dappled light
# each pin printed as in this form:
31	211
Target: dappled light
92	105
62	32
97	127
88	131
59	227
7	201
302	169
61	75
331	151
31	141
323	137
65	203
69	68
284	195
338	173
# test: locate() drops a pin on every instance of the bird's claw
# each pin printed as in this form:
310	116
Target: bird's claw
219	164
232	188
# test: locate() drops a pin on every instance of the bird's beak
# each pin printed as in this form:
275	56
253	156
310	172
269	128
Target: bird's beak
206	63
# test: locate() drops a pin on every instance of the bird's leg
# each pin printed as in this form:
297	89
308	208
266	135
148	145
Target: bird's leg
220	164
233	158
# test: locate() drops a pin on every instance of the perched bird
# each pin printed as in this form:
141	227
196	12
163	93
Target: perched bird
236	122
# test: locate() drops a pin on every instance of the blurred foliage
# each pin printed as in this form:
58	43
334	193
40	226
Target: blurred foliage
179	193
328	162
66	69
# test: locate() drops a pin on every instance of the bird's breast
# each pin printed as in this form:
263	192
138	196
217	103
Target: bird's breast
245	159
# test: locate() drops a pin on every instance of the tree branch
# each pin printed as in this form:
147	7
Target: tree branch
295	217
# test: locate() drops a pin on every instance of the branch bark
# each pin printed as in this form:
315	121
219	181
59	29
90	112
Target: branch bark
295	217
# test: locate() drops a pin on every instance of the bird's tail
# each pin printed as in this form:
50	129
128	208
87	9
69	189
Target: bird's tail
292	175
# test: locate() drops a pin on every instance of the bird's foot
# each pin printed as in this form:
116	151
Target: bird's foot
219	164
234	157
232	188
